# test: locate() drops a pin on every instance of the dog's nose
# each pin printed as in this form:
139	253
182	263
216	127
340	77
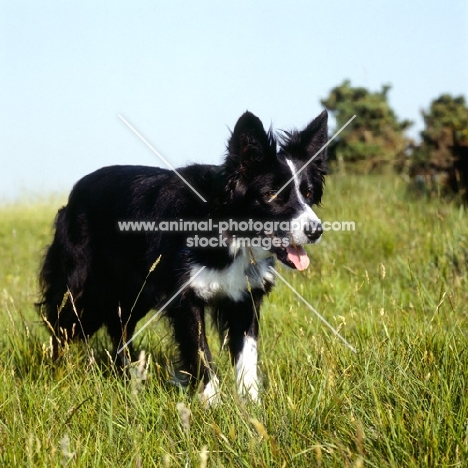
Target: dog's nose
314	231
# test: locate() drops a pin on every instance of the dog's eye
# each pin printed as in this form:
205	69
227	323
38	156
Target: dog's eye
308	193
271	195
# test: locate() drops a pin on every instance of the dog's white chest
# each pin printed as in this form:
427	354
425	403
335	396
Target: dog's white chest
233	281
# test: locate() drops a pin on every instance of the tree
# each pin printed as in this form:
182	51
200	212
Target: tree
375	137
446	127
442	157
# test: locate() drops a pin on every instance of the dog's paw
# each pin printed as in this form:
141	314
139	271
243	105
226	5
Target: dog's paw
249	393
210	396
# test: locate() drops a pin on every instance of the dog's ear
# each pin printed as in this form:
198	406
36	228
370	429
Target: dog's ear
315	135
249	144
249	149
304	145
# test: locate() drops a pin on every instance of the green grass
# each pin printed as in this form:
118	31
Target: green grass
396	288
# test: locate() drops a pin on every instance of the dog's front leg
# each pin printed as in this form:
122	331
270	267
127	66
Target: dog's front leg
243	324
189	330
246	368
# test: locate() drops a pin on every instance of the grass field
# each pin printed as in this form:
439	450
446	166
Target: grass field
396	288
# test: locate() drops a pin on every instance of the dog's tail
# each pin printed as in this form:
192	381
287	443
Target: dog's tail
64	271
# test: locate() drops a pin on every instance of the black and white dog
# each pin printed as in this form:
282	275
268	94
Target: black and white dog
110	275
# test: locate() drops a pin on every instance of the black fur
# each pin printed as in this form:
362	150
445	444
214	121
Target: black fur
103	269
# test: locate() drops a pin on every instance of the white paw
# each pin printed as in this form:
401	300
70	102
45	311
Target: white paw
249	390
246	370
211	394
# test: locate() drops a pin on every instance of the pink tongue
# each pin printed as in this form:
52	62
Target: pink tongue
298	256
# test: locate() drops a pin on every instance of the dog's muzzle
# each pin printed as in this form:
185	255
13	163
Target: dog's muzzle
313	231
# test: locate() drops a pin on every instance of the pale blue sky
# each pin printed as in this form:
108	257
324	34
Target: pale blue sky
183	72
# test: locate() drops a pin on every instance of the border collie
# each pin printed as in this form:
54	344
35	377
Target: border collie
95	273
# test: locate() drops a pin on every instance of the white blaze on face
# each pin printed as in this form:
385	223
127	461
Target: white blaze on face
306	215
246	369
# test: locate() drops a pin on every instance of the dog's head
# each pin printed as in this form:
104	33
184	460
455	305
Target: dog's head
276	185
